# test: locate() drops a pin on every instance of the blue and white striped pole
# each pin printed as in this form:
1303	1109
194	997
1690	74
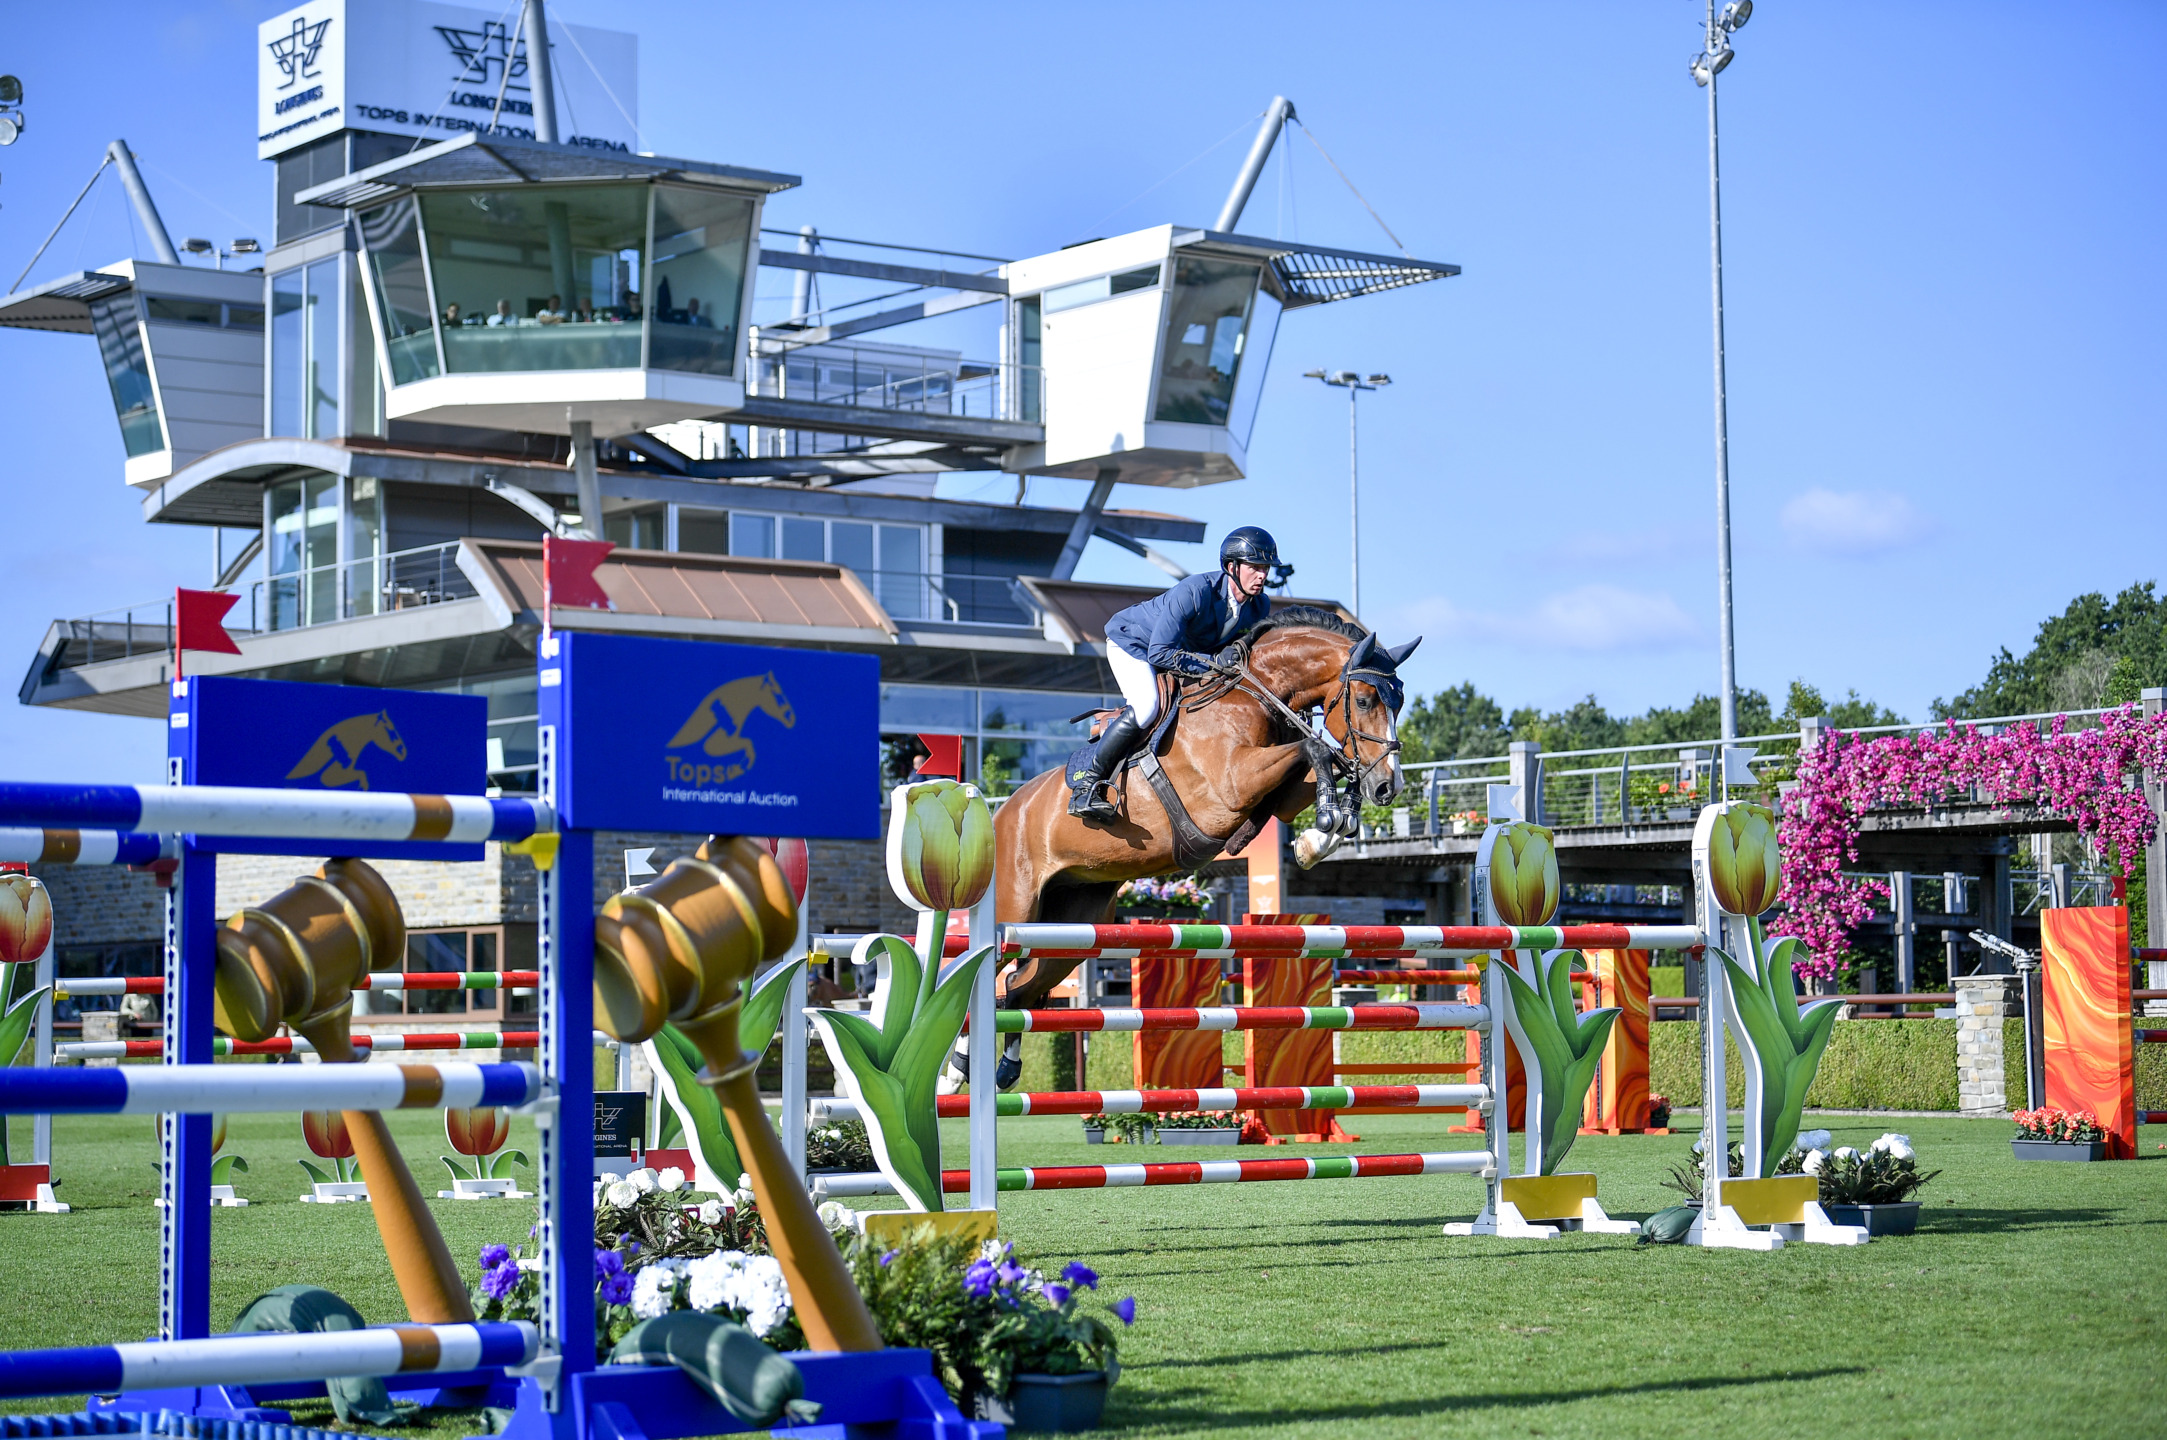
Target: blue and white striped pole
263	813
266	1359
35	845
266	1089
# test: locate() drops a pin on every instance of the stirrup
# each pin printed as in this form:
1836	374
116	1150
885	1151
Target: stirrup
1087	798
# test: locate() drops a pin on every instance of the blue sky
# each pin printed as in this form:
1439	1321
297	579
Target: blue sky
1943	253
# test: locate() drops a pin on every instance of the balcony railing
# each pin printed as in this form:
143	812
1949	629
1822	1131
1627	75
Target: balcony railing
374	585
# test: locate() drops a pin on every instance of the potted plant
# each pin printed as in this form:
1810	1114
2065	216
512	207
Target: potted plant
1199	1127
1010	1343
840	1147
1658	1112
2051	1134
1129	1128
1182	898
1467	822
1872	1189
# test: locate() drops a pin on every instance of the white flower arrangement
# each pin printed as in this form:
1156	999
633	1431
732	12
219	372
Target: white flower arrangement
621	1193
670	1181
655	1289
839	1218
711	1211
1895	1146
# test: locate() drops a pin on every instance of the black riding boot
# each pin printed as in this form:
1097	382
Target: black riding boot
1087	782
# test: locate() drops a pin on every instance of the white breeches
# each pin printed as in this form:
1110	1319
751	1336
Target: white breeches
1138	681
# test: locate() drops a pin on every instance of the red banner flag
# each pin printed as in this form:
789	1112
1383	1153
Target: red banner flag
199	623
568	568
945	757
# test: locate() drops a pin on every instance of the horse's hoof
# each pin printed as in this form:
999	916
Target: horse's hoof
1008	1070
959	1060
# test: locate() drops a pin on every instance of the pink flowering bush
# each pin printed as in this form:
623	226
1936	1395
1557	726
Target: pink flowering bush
2089	777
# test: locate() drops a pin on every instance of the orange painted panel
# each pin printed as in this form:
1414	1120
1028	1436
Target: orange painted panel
1617	1102
1289	1057
1175	1059
2085	981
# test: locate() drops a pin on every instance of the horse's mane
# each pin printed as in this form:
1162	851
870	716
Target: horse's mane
1308	617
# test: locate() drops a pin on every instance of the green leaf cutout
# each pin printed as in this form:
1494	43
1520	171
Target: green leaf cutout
314	1173
896	1148
459	1171
224	1166
15	1024
501	1167
1567	1046
694	1114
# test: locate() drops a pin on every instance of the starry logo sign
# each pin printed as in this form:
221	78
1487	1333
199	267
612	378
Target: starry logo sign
485	54
296	52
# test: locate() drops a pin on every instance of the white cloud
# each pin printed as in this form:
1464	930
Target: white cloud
1854	522
1593	617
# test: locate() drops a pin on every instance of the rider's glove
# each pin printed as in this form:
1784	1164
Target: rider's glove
1228	661
1188	662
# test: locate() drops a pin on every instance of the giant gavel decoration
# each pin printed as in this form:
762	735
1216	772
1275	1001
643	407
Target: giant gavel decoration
294	960
680	950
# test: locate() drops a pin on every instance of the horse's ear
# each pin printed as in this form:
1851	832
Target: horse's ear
1363	649
1399	656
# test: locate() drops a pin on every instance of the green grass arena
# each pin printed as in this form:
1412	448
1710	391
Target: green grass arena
2025	1304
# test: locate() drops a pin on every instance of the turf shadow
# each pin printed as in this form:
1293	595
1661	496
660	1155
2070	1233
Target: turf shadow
1141	1410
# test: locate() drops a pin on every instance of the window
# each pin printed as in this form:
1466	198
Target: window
365	545
181	312
900	582
1206	326
305	351
127	372
701	244
460	952
392	236
752	535
804	539
1009	735
1102	287
636	529
538	279
1030	360
703	532
303	559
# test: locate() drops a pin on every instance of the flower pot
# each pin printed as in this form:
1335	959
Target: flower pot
1898	1218
1094	1136
2059	1149
1113	1137
1200	1137
1676	812
1048	1404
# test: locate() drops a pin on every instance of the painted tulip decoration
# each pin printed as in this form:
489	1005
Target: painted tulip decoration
1781	1043
223	1167
26	928
479	1133
328	1139
940	858
1744	865
695	1115
1561	1046
1524	874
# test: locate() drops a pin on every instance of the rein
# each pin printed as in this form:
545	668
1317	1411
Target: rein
1343	763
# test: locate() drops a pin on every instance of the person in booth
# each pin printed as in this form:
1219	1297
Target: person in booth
1188	629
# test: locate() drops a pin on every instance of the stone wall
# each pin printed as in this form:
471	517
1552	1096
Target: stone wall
1983	1002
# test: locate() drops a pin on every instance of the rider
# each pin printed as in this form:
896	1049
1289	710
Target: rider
1189	629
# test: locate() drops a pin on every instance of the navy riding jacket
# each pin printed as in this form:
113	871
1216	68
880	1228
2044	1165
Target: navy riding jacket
1179	628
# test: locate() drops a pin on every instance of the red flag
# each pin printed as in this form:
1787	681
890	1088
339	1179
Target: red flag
568	568
199	622
946	758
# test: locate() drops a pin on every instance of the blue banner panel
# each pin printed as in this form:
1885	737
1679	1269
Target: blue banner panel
291	736
692	737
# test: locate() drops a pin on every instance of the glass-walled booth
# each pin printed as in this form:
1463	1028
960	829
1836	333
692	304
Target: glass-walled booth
1151	348
518	286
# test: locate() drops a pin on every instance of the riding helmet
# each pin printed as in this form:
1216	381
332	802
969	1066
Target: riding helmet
1251	543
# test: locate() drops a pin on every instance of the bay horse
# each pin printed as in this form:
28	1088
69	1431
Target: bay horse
1241	755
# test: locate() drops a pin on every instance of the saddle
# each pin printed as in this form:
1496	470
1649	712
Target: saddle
1192	848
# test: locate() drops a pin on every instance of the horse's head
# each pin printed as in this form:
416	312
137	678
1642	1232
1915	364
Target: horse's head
774	702
387	737
1315	660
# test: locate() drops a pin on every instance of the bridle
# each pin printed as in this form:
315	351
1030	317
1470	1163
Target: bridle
1345	765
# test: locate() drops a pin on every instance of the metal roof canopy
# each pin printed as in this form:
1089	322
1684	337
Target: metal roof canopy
1314	274
477	161
62	304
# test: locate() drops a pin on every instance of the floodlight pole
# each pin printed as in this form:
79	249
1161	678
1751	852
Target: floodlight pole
1717	40
540	83
1354	385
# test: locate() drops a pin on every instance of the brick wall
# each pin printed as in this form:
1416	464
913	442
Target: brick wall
105	904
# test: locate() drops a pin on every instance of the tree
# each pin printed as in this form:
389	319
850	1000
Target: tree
2079	656
1849	713
1453	724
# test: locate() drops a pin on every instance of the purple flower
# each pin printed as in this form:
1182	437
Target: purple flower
608	1263
1078	1273
978	1280
495	1255
498	1280
1125	1309
888	1258
617	1289
1057	1295
632	1246
1010	1272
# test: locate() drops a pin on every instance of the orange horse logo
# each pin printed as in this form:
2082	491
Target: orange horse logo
335	760
717	726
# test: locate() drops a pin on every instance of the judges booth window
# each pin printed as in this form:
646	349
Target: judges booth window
392	235
127	371
701	244
543	279
1206	333
304	552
